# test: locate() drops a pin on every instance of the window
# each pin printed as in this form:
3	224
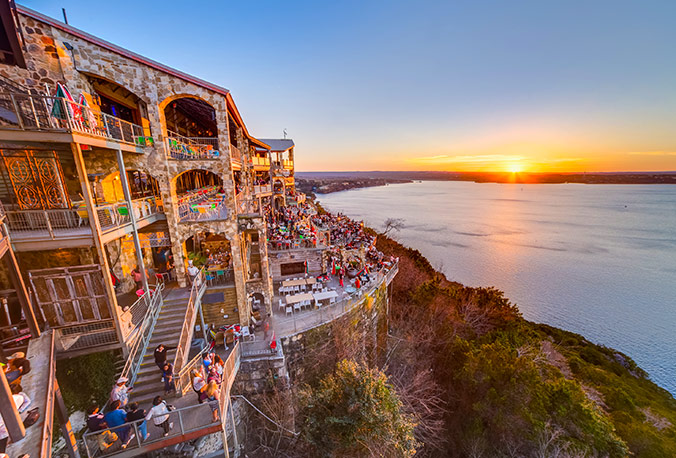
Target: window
293	268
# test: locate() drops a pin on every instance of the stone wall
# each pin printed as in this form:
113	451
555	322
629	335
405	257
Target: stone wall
312	255
359	334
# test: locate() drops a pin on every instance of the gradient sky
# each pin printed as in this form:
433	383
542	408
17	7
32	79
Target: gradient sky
560	85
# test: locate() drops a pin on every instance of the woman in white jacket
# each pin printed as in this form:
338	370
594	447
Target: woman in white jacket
159	412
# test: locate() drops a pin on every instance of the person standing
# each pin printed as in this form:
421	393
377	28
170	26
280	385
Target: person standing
117	417
160	415
168	378
192	271
136	414
137	276
161	355
120	391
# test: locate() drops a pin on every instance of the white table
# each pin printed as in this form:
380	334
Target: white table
325	295
298	298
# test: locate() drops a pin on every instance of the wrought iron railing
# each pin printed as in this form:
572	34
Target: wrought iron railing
190	148
199	285
44	113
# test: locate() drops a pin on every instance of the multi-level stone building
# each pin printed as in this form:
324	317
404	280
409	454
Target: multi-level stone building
112	165
196	177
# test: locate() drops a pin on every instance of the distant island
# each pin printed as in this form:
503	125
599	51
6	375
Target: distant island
327	182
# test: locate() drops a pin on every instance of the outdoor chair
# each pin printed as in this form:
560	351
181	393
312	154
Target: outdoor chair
297	307
289	310
281	304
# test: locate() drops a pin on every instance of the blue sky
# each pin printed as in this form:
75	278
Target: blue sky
453	85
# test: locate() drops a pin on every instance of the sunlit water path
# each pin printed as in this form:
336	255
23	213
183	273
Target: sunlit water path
599	260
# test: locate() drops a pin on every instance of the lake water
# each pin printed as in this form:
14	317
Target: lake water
599	260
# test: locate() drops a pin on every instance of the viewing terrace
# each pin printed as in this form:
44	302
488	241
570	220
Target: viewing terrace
72	226
192	148
62	120
202	204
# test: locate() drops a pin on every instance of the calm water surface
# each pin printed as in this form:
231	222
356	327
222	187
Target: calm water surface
599	260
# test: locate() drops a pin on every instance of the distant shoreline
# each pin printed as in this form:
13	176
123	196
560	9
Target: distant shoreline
328	182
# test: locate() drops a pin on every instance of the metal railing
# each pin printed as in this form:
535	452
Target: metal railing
48	414
199	285
45	113
184	421
85	335
190	148
50	221
182	380
235	154
57	222
144	331
117	214
313	318
134	315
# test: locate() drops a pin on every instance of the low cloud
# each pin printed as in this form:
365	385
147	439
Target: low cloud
480	158
652	153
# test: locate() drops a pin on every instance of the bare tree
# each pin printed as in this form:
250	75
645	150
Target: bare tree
392	225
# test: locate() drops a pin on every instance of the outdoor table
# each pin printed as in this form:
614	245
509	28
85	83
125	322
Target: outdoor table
351	289
288	283
325	295
290	300
311	280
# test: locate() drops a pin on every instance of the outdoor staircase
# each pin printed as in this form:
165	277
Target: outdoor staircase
167	330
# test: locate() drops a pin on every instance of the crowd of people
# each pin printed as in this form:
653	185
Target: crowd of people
291	227
124	420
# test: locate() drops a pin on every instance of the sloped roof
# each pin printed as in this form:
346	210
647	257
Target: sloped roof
119	50
281	144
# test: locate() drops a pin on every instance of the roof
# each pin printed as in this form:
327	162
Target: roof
119	50
278	144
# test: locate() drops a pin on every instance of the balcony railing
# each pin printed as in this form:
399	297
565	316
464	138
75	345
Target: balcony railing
53	223
56	114
116	215
261	161
192	148
60	222
288	164
262	189
235	154
199	285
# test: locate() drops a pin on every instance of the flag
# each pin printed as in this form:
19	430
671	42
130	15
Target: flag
87	114
64	105
357	283
333	267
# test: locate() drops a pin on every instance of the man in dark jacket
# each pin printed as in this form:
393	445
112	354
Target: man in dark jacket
161	356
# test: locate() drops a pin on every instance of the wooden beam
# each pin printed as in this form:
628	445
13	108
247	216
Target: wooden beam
100	247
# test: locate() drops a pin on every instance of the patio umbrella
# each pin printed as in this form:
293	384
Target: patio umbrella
88	114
